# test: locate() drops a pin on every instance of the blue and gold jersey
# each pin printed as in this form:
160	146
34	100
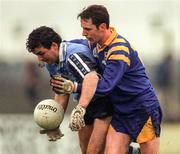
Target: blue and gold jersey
123	76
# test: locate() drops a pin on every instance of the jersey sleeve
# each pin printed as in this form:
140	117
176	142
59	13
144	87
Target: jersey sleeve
117	62
111	76
79	65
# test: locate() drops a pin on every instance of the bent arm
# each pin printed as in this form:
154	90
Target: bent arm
109	79
89	86
83	68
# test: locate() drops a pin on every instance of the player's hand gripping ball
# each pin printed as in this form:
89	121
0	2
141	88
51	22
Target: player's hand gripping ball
48	114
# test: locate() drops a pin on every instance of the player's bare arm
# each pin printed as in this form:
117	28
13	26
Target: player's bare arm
89	85
56	134
88	90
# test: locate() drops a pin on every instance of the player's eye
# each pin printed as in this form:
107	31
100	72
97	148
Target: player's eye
39	53
87	29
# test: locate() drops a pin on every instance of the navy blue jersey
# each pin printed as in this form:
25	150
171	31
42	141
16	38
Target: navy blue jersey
123	76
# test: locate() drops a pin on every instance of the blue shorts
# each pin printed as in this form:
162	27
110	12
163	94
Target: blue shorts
99	107
136	124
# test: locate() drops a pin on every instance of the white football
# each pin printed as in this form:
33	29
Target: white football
48	114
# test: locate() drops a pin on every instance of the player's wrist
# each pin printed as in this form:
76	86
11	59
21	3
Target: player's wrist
75	87
72	88
82	105
77	121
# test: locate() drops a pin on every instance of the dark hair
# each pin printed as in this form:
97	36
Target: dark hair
42	36
98	14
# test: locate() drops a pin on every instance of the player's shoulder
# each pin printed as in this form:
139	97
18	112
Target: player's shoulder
77	47
77	44
80	41
120	44
119	41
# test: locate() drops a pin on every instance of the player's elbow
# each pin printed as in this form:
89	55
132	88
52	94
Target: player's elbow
91	76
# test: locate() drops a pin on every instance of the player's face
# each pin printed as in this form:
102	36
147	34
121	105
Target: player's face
47	55
90	31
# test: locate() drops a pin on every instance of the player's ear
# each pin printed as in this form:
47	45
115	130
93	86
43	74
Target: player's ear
54	45
103	26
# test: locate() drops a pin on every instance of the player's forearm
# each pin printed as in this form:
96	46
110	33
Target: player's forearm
88	88
63	100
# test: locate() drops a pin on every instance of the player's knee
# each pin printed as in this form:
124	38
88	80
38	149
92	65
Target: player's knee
117	150
95	149
83	148
150	146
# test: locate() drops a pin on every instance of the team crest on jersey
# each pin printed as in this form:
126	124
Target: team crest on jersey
105	58
95	52
104	62
105	55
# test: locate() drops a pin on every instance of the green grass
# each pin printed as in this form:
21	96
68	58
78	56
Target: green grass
170	139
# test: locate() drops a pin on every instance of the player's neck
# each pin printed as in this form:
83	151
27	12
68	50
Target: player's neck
107	34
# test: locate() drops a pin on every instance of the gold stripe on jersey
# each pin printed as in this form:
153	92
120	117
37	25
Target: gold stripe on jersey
119	40
116	48
100	48
120	57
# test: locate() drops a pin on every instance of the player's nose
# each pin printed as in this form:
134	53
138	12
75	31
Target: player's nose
84	33
40	58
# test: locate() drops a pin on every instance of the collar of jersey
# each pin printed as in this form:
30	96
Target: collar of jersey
108	41
62	51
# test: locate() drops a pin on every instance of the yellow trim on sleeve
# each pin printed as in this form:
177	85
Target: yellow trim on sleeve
120	57
120	47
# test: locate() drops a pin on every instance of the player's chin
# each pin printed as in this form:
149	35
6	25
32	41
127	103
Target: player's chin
91	40
41	64
50	61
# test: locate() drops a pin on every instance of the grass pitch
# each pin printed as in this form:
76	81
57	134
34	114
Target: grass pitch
170	138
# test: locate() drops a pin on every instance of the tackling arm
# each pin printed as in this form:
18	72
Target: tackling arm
88	88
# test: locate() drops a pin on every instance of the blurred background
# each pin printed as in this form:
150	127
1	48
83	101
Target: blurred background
151	26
